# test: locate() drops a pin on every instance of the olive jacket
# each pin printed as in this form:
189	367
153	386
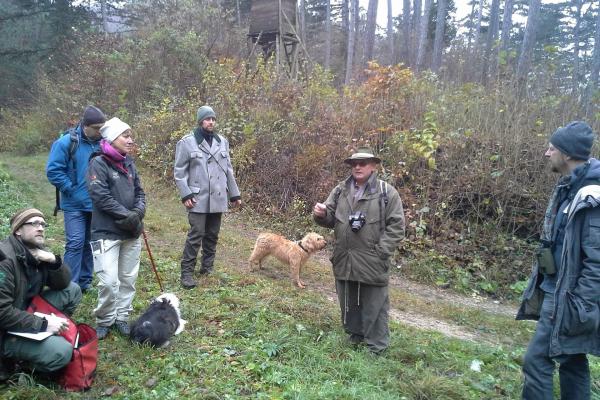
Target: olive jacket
364	256
17	272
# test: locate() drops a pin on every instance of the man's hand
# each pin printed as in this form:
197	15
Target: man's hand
55	324
237	203
189	203
320	210
43	255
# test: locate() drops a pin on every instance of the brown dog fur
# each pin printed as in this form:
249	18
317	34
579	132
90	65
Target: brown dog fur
286	251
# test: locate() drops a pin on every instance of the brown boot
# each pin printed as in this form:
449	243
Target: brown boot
188	281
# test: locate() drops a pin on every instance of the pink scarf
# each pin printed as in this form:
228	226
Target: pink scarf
111	155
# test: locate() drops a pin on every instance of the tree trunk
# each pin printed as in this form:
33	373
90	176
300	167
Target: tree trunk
506	25
423	25
438	44
351	38
405	31
489	68
478	24
528	44
346	30
576	45
472	27
302	20
371	26
390	33
327	34
594	75
414	32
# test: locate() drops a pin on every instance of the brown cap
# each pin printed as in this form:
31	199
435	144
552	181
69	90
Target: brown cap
22	216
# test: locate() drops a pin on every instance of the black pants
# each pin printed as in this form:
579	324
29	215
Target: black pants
204	232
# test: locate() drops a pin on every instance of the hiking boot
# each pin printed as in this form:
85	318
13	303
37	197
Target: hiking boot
102	331
122	327
188	281
205	270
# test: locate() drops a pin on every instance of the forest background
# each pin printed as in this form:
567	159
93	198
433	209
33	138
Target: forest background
459	111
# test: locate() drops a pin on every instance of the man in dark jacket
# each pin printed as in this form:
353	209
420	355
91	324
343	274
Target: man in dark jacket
563	292
27	270
66	169
368	221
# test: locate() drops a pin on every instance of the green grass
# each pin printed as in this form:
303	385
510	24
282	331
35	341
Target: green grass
255	336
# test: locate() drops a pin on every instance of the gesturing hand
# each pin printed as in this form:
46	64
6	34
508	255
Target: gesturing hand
43	255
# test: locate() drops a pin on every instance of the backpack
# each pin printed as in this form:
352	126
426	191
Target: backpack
73	145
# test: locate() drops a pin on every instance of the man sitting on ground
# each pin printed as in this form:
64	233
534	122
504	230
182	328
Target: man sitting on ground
27	270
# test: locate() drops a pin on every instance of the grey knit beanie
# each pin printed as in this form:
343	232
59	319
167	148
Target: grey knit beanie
574	140
205	112
92	115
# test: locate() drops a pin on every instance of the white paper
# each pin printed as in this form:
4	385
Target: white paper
33	336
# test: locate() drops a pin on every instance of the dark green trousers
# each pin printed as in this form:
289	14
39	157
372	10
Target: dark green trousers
203	233
365	311
54	352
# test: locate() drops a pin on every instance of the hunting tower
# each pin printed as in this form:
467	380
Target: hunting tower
273	28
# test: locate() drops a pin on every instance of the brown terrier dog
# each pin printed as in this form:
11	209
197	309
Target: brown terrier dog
294	254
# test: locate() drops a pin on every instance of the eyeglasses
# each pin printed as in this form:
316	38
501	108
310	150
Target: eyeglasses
37	224
360	163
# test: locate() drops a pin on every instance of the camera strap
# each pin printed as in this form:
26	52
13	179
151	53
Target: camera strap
383	197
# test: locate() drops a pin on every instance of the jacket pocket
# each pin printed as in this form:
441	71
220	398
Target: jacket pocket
579	317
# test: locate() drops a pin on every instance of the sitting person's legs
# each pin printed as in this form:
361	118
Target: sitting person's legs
50	354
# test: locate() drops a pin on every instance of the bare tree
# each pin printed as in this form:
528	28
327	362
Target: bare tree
438	43
576	45
327	33
423	25
371	26
345	28
489	61
390	33
302	20
405	31
506	25
414	31
351	38
529	39
594	76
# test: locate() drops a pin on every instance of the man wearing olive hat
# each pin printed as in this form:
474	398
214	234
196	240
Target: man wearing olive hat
563	291
27	270
66	169
204	176
368	220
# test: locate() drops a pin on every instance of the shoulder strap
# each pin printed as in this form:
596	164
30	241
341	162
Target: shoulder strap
383	198
73	143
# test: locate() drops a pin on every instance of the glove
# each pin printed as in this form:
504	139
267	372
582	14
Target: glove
130	223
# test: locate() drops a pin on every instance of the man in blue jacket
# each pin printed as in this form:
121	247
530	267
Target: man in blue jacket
563	292
66	169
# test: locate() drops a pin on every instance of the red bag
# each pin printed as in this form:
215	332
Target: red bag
79	373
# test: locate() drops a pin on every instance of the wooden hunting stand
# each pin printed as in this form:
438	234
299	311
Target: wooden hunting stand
273	28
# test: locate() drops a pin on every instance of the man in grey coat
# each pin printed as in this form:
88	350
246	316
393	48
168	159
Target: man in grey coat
204	177
563	292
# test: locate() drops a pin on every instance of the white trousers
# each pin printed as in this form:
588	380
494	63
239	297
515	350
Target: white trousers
116	264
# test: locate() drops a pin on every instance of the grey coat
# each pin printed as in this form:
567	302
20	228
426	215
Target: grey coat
206	173
576	315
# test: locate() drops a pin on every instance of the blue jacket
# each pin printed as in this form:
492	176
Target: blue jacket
68	174
576	314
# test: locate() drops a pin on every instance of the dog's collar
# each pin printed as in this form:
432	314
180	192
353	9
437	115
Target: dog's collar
299	243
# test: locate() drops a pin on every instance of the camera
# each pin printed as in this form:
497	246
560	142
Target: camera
545	258
357	221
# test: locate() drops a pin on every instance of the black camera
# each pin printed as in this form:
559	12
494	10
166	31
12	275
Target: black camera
357	221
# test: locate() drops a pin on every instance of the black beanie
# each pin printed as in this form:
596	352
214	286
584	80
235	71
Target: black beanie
574	140
92	115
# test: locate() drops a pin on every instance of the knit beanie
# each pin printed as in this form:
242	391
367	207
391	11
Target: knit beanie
113	128
574	140
205	112
92	115
22	216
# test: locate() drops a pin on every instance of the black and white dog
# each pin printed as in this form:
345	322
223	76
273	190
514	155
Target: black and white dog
159	322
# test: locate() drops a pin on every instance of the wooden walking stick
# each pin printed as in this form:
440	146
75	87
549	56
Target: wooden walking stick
162	290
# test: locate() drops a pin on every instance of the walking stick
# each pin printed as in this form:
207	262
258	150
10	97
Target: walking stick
162	290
